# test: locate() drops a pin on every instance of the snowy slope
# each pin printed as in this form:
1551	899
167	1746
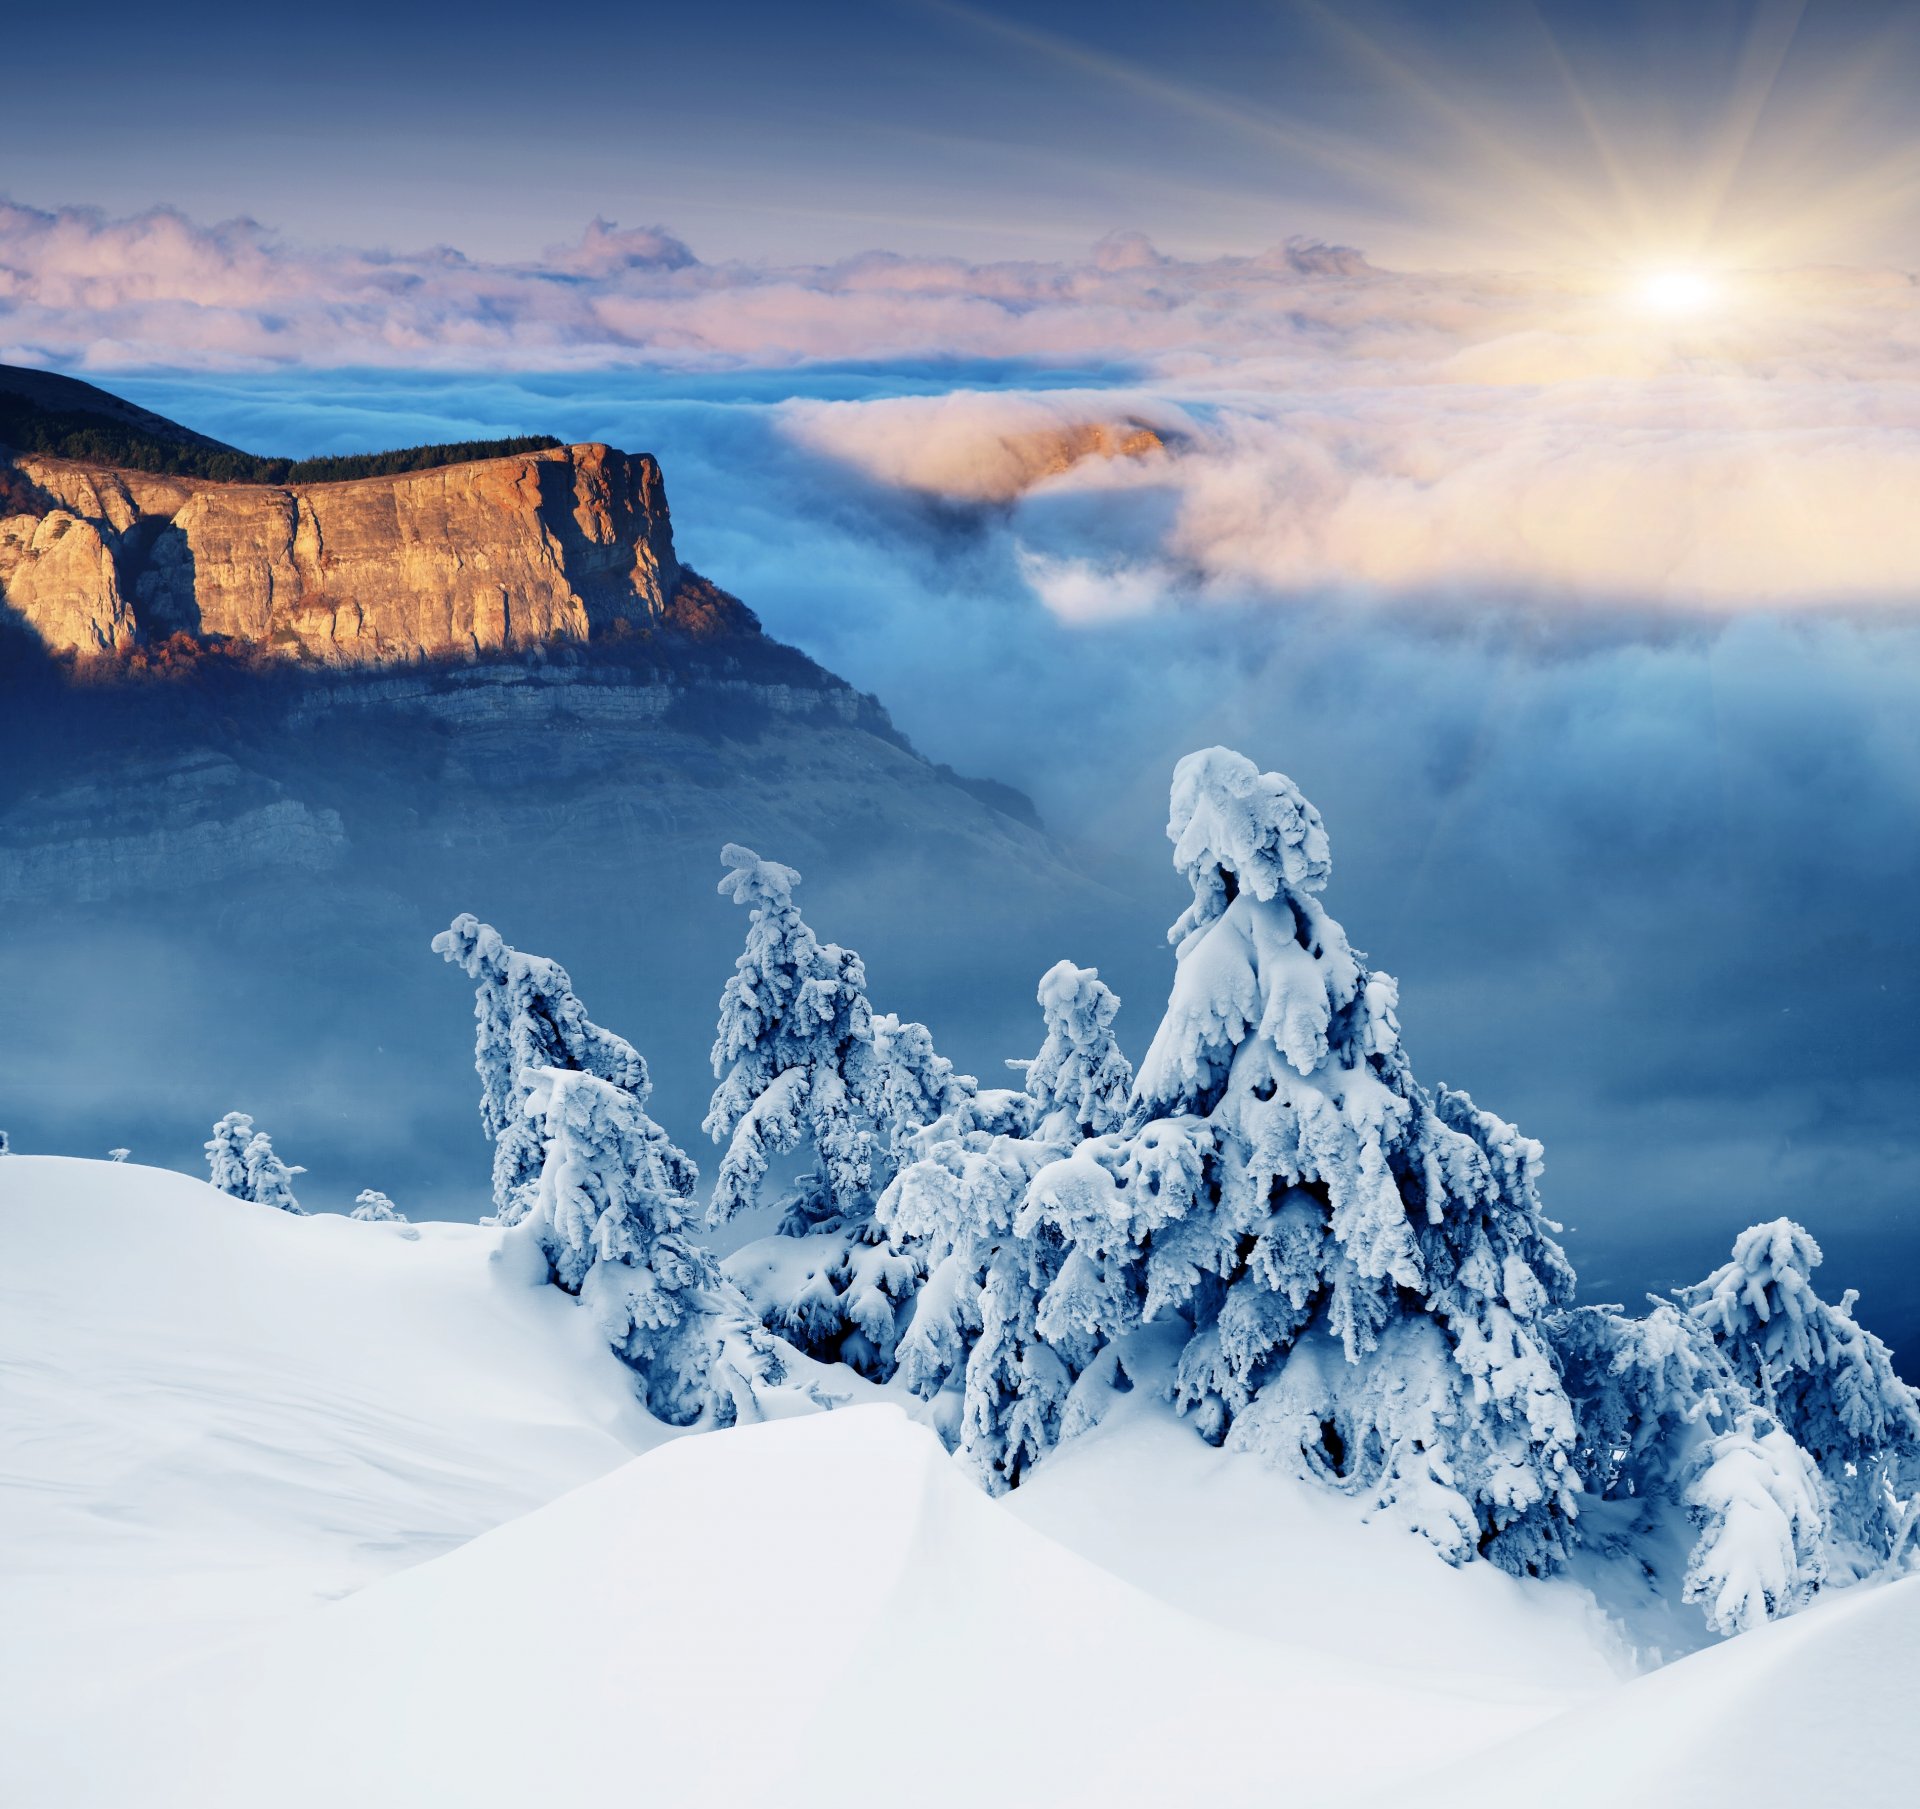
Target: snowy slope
823	1601
310	1512
1816	1709
1227	1538
212	1413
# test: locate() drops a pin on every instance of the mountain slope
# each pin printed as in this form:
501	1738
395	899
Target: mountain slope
37	404
258	743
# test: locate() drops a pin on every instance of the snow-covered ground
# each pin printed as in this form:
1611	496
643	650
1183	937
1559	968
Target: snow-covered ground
305	1511
214	1416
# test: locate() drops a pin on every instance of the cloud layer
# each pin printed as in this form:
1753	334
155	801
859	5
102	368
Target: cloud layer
1330	427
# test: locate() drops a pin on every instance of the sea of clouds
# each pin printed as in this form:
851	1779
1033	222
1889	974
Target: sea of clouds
1327	425
1592	631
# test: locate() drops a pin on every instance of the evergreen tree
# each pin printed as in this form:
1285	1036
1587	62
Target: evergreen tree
227	1154
916	1085
1673	1449
795	1059
6	1144
609	1213
373	1204
1828	1380
269	1181
241	1162
803	1063
527	1019
976	1326
1361	1266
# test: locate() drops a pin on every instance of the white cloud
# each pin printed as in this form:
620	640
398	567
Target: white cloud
1330	427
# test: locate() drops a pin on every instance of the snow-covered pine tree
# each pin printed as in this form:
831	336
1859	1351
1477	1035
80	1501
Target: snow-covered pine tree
6	1144
794	1056
269	1181
1360	1266
975	1330
1686	1474
1828	1380
227	1154
240	1161
803	1063
371	1203
527	1018
608	1213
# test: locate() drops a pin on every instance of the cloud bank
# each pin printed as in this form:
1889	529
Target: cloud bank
1328	426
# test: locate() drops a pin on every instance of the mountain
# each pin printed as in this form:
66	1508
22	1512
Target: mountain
460	561
43	409
471	556
258	741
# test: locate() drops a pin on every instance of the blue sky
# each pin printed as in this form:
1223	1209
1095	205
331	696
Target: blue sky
756	129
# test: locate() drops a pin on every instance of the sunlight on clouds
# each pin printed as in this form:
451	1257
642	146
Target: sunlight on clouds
1469	441
1294	422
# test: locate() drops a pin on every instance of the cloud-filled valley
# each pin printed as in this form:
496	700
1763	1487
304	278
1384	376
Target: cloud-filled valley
1604	849
1580	620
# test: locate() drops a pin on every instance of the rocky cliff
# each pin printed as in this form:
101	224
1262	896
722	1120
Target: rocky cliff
311	721
463	560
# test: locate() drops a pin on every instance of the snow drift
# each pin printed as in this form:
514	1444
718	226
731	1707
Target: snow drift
219	1419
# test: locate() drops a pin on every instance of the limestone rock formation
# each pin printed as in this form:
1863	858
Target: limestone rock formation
460	560
57	571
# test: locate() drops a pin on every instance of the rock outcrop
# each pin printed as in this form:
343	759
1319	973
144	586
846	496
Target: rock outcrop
58	573
461	560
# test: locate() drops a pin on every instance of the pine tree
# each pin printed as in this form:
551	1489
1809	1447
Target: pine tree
794	1056
609	1213
1674	1449
373	1204
6	1144
916	1085
527	1019
1828	1380
227	1154
976	1324
1361	1267
802	1062
269	1181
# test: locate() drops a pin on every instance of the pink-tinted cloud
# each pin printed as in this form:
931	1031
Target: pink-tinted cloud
1329	425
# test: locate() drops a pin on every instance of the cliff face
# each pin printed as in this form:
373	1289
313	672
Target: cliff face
460	560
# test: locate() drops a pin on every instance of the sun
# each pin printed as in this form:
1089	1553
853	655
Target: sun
1676	291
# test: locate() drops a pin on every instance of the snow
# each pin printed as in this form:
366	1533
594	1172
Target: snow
1231	1539
1816	1709
302	1511
214	1414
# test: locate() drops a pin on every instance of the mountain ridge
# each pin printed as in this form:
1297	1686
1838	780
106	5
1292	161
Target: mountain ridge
456	561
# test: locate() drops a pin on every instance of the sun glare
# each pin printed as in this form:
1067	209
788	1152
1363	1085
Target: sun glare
1677	291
